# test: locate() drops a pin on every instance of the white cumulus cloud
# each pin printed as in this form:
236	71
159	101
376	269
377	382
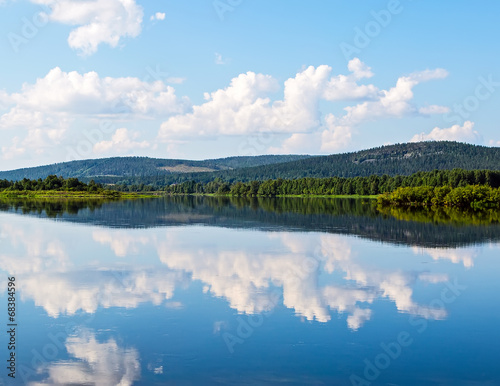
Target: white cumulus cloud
462	133
298	143
97	21
122	140
246	107
15	149
158	16
395	102
345	87
88	93
43	111
237	109
335	136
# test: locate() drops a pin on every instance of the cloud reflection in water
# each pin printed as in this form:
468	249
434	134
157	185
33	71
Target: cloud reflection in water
95	363
244	273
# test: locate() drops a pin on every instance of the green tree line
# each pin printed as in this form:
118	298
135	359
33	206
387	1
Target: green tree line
372	185
51	182
458	187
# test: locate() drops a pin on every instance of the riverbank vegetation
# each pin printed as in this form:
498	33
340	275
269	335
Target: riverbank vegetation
54	186
362	186
408	224
470	196
51	182
452	188
442	215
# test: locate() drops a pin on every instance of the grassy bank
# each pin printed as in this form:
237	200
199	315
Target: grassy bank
330	196
373	197
108	194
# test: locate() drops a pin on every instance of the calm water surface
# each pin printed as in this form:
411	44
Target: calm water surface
206	291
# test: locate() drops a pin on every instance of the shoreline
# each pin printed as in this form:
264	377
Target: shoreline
76	195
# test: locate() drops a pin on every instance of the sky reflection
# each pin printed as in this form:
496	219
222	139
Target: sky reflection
318	274
93	363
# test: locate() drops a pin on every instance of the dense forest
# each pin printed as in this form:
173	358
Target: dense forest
372	185
401	159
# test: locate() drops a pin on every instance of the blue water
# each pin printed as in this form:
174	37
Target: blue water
201	300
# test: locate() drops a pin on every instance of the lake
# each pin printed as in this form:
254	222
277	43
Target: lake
219	291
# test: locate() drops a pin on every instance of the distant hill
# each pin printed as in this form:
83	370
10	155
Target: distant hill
141	167
399	159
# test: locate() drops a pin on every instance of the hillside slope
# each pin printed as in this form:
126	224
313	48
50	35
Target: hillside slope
141	167
400	159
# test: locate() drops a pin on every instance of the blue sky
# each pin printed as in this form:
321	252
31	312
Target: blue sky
205	79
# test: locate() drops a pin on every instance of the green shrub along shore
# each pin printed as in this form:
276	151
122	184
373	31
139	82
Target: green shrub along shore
51	183
471	196
54	186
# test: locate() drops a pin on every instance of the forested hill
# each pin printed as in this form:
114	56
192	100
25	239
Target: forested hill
141	167
400	159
